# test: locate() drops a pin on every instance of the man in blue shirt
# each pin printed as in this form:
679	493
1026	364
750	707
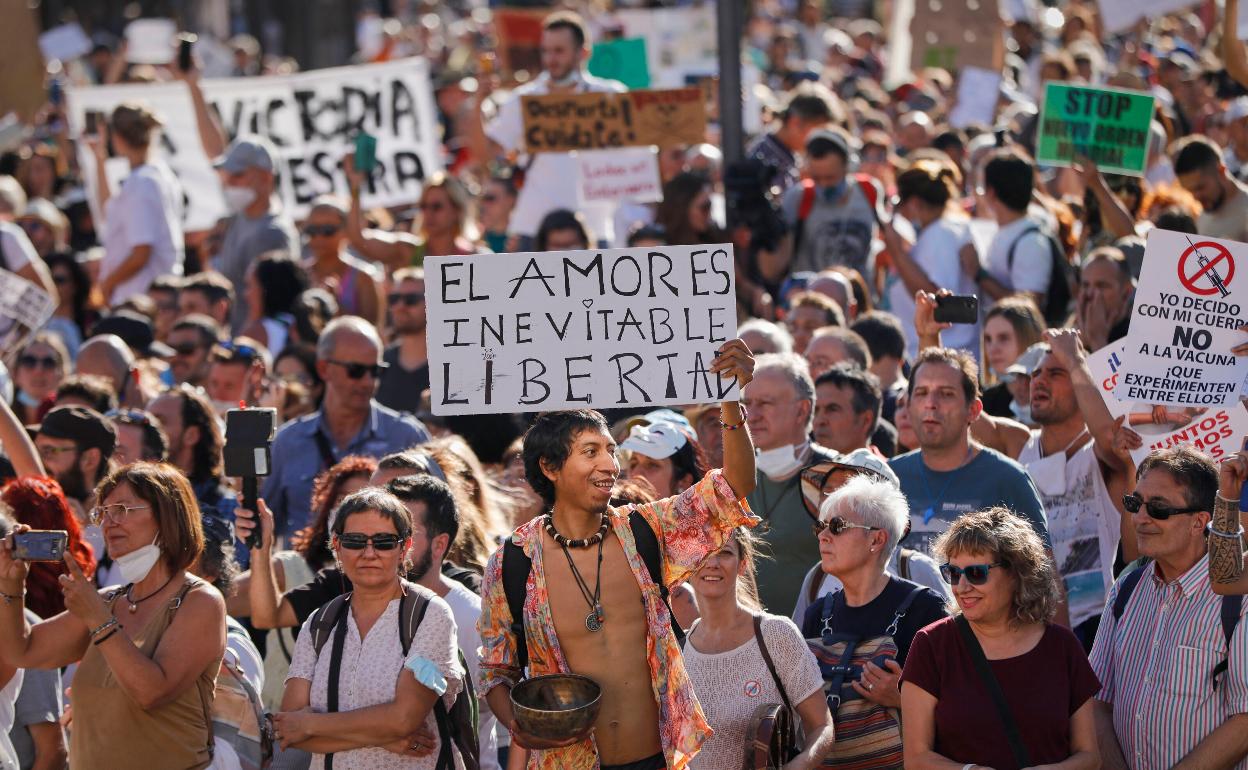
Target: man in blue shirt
349	422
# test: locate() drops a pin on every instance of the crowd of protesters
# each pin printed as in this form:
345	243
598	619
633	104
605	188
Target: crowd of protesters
929	542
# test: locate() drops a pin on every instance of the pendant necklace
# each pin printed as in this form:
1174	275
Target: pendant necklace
595	618
134	603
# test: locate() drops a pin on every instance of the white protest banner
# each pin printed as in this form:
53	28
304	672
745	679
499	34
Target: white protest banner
1185	321
65	43
150	41
1216	431
1120	15
180	144
24	308
979	90
578	329
623	174
310	117
681	43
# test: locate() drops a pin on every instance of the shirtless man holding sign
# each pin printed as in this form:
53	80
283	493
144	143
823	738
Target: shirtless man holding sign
590	606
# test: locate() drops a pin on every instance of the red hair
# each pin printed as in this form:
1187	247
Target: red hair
39	502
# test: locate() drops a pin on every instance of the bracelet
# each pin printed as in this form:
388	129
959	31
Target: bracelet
105	637
103	627
1219	498
969	766
744	416
10	598
1228	535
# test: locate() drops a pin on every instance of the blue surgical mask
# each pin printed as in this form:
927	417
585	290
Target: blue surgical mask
834	193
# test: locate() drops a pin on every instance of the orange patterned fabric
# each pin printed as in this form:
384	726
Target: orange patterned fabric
690	526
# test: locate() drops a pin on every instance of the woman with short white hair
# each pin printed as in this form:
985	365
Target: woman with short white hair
861	633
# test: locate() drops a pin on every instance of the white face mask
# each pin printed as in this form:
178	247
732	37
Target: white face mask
781	461
238	199
1022	412
571	79
135	565
1049	473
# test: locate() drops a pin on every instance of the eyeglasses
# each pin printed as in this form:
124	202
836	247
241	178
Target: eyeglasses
357	371
357	541
411	298
45	362
313	231
115	511
976	574
836	525
1160	511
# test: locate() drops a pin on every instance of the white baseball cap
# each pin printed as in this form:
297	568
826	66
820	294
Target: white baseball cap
657	441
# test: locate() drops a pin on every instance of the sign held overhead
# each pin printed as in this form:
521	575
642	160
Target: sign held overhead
602	121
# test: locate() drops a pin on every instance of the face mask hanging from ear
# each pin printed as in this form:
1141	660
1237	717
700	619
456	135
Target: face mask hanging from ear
137	564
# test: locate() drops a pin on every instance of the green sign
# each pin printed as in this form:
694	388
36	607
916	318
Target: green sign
1108	125
622	60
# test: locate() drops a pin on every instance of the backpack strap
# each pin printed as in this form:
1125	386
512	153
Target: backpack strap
648	548
322	445
771	666
335	668
812	593
903	563
902	609
411	612
867	186
804	208
1009	257
1231	606
516	568
1017	747
325	620
1126	589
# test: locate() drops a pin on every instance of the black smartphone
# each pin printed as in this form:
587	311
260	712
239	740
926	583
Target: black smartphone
40	545
956	309
247	454
95	119
186	45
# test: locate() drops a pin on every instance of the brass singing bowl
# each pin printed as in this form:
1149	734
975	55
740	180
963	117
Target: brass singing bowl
557	707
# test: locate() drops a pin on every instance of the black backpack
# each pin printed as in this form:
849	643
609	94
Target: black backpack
1230	614
1061	277
457	726
517	565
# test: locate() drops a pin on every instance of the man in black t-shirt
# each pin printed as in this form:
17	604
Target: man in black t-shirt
407	377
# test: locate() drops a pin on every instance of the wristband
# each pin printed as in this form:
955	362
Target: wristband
10	598
744	416
103	627
1228	535
105	637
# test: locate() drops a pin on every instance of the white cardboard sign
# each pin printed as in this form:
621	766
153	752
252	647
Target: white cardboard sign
24	309
1185	320
624	174
1216	431
579	329
66	42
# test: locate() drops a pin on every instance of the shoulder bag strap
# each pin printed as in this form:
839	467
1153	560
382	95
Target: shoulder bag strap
903	563
1126	589
1231	606
994	689
771	666
651	553
327	452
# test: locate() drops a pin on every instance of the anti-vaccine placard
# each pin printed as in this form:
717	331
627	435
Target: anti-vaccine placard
1186	318
1108	125
579	329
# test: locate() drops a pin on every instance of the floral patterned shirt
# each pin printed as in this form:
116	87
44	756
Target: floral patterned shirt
690	526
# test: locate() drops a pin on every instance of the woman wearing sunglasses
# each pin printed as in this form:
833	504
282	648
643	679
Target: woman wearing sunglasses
860	634
355	283
41	365
148	652
724	655
1001	637
384	695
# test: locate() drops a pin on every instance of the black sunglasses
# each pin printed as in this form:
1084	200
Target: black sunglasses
836	525
47	362
357	371
976	574
313	231
1160	511
356	541
234	352
410	298
129	416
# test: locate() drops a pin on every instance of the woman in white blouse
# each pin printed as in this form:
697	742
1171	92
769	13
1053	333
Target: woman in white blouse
384	718
729	671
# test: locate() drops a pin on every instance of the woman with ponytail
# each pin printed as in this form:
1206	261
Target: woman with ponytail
927	196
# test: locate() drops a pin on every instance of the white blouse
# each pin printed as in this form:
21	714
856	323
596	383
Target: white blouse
370	672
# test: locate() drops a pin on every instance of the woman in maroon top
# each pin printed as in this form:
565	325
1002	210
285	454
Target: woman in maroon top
1006	592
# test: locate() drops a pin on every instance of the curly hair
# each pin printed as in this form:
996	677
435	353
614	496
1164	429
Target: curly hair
39	502
313	541
1012	541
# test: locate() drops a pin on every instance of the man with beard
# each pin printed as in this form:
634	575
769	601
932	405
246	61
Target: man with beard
1072	461
195	444
408	373
1200	170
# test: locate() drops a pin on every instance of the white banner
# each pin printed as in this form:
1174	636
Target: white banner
1217	431
624	174
24	309
310	117
1185	321
1120	15
681	43
579	329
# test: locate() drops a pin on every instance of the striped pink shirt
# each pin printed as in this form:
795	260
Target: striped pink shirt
1155	664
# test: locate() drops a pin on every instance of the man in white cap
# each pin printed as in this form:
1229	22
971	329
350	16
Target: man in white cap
258	223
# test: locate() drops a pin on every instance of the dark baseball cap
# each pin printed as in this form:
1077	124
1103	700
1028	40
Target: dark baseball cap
87	427
136	331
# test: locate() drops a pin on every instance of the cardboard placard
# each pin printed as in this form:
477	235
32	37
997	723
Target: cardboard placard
1109	125
1216	431
622	60
1119	15
579	329
24	309
979	90
150	41
520	38
611	176
21	88
602	121
954	34
311	119
1184	322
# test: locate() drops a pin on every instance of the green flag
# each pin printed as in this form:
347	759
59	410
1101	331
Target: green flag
622	60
